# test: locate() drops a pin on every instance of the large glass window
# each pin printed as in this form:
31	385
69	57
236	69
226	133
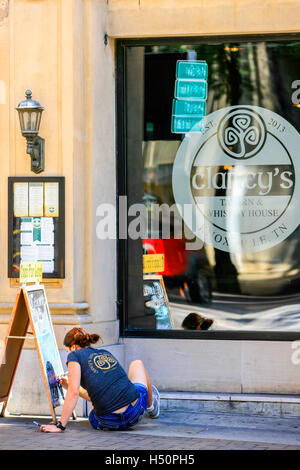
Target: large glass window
220	207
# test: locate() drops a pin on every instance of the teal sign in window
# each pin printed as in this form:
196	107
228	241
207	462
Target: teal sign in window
191	89
189	107
188	69
184	124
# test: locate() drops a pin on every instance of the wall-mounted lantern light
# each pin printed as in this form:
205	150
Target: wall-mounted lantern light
30	113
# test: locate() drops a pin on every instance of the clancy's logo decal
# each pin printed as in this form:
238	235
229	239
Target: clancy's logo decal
101	361
239	177
241	133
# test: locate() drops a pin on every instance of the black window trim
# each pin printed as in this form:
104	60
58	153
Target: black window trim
121	178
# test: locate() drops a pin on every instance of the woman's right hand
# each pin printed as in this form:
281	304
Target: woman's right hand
63	382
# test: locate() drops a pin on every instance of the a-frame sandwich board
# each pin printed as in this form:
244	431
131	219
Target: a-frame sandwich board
31	309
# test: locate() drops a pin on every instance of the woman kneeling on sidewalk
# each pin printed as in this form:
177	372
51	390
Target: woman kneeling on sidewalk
119	400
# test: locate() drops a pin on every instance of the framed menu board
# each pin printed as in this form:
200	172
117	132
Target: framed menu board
36	224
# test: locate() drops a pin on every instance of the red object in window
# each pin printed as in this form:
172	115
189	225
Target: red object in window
176	259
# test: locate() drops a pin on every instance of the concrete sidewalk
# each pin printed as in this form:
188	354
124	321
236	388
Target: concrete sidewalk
172	431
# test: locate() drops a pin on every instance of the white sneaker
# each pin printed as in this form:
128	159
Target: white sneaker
153	410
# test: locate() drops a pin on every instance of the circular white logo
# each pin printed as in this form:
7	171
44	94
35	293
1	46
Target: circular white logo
239	178
241	133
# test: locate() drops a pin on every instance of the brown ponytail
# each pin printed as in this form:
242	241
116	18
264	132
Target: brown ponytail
80	337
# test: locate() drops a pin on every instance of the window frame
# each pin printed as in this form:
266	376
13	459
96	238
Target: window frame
122	190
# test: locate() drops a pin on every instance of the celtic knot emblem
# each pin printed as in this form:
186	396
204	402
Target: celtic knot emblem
104	361
241	133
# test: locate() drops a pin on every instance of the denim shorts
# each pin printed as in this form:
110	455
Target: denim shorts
121	421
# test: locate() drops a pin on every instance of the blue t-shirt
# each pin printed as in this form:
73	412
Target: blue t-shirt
105	380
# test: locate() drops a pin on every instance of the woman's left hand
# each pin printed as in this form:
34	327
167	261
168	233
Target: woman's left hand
50	428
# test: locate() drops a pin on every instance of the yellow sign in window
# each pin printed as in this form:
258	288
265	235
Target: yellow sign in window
153	263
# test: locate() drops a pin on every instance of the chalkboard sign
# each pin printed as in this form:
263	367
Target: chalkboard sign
46	341
31	308
156	299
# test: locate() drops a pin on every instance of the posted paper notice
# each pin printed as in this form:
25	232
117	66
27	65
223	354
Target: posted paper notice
20	199
36	199
51	200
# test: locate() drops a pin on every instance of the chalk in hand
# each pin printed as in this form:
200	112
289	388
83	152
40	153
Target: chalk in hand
60	376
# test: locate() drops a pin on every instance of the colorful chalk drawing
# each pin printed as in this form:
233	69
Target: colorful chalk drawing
47	343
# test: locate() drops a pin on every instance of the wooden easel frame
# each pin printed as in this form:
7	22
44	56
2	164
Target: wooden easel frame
17	331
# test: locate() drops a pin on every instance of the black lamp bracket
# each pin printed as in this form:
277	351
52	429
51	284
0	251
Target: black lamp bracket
36	150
